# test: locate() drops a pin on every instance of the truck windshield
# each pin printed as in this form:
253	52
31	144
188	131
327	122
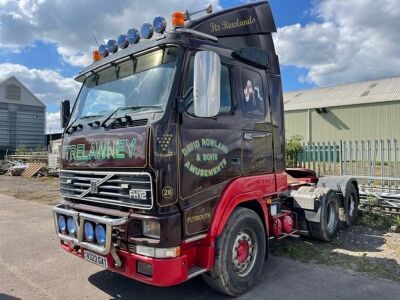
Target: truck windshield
142	83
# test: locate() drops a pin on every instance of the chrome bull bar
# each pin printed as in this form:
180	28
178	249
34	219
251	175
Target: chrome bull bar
78	240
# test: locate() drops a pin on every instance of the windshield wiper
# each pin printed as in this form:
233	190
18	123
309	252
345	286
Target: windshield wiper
80	125
134	107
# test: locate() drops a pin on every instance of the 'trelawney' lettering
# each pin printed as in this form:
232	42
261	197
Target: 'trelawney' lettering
110	149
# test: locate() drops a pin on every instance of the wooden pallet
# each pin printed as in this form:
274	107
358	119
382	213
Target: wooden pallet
33	169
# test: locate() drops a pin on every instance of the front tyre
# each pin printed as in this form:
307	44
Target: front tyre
239	254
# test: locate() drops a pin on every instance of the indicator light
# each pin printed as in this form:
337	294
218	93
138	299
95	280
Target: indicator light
178	19
96	55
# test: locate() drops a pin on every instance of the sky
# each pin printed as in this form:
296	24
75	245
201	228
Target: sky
44	43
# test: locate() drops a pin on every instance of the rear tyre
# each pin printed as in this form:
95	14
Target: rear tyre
325	230
239	254
351	202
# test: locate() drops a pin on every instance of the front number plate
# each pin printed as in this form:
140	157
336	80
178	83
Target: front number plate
96	259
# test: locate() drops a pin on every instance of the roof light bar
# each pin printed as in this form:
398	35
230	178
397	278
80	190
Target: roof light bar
133	36
146	31
159	24
103	50
123	41
112	46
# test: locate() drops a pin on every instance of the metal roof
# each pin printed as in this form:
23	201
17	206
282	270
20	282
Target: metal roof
366	92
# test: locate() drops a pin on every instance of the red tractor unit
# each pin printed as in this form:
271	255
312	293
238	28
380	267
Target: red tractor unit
173	155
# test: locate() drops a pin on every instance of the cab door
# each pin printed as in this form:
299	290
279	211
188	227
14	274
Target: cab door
257	128
210	152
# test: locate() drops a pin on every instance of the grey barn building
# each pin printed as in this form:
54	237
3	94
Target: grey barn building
368	110
22	116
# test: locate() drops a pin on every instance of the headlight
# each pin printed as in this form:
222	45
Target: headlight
146	31
158	252
100	234
151	229
71	225
159	24
61	223
133	36
88	231
112	46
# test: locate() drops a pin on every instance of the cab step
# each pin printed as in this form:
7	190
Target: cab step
195	271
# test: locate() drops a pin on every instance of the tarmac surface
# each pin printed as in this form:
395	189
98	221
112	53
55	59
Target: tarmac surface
33	266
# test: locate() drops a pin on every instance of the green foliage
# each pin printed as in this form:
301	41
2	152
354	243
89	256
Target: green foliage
379	220
40	148
293	148
21	149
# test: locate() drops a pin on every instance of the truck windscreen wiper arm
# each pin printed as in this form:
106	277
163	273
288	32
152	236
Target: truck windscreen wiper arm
134	107
80	118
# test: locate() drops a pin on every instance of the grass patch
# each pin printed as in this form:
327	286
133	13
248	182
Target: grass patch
368	247
379	220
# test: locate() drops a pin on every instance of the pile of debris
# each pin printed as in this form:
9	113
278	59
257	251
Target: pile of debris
25	164
28	163
25	169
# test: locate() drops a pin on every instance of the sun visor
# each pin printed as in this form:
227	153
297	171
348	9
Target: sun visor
248	25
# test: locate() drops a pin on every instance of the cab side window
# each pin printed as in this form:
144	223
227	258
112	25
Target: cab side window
226	96
252	93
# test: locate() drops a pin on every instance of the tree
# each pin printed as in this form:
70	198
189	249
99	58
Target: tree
293	148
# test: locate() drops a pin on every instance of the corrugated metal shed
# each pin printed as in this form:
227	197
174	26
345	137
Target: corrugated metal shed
22	116
367	92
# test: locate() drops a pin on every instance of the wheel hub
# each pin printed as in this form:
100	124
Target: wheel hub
244	253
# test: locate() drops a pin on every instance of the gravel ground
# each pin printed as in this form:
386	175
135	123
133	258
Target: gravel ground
39	189
369	247
33	266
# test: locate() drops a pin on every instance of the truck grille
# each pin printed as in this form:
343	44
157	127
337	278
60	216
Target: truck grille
124	189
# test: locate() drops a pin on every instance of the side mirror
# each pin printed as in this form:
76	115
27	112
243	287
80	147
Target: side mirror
207	84
65	112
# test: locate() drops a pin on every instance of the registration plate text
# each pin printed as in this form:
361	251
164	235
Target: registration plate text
96	259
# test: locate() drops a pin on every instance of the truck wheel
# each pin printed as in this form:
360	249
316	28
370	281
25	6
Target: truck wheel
351	202
325	230
239	254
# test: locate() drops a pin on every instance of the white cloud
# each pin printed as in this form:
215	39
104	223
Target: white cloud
53	122
69	24
48	85
354	40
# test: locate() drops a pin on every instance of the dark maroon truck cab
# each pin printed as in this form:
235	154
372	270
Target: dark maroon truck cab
149	191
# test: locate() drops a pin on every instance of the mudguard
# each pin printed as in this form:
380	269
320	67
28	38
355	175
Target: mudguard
340	184
337	183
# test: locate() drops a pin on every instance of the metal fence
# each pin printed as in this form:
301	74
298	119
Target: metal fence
375	163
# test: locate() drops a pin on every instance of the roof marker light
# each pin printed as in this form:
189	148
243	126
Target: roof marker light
133	36
123	41
112	46
159	24
103	50
96	55
178	19
146	31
